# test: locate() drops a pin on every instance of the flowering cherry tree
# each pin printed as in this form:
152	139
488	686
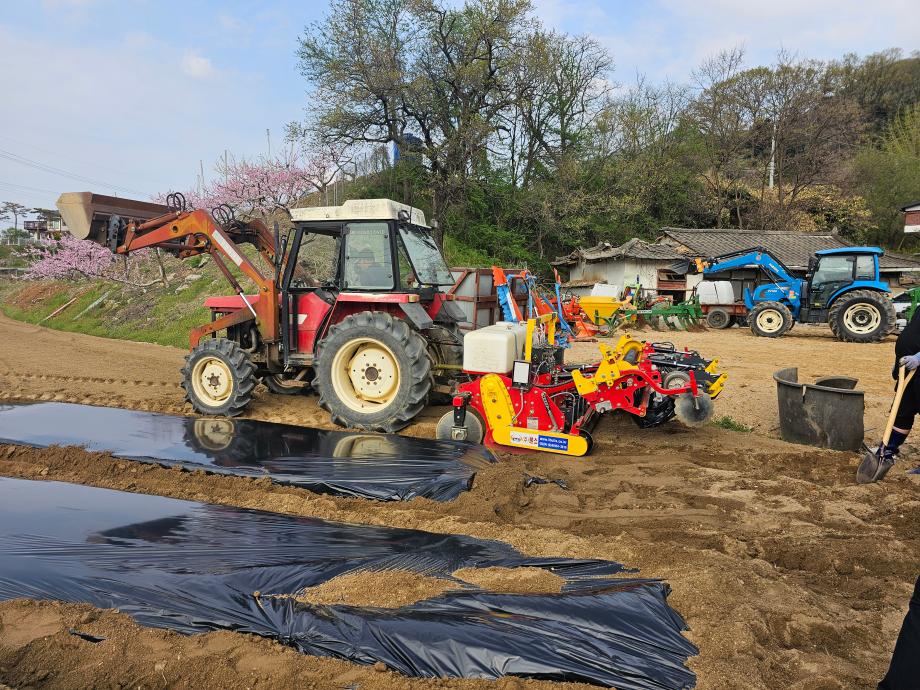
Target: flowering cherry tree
266	185
69	258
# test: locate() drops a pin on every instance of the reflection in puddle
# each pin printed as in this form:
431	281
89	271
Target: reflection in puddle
367	465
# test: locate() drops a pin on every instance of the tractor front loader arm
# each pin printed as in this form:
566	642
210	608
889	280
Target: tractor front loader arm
191	233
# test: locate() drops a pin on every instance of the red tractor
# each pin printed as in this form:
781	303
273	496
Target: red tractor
352	305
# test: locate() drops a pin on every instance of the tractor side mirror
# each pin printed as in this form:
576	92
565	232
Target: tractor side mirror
812	264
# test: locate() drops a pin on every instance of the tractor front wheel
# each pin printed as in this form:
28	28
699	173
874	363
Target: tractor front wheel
373	372
862	316
218	378
770	319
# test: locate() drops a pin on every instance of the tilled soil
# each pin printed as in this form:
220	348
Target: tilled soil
788	573
37	650
389	589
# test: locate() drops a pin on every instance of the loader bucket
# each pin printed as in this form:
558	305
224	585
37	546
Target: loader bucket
86	215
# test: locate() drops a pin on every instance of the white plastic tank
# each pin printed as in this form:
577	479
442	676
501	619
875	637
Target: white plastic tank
605	290
493	349
715	292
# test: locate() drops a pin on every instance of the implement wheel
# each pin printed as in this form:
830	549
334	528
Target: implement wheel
373	372
718	319
218	378
475	429
862	316
770	319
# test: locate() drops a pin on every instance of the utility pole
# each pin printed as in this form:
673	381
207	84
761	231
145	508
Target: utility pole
268	138
225	167
201	178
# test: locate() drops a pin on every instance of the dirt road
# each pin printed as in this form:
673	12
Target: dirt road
788	573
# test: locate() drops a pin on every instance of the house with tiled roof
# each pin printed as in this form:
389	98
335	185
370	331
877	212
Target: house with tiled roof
635	261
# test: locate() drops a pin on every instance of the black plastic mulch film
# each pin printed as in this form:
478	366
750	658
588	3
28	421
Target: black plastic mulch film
384	467
194	567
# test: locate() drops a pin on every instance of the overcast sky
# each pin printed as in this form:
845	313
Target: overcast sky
127	96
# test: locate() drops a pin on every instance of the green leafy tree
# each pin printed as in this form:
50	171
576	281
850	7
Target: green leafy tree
889	176
14	209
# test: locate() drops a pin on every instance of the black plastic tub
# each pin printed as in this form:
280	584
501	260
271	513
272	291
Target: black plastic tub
827	413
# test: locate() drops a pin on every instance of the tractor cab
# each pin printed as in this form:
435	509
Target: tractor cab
365	309
832	271
368	245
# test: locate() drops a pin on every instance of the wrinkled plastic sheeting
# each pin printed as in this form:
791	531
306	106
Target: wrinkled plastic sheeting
194	567
384	467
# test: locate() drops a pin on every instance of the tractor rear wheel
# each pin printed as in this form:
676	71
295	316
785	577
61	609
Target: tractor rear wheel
373	372
770	319
218	378
862	316
718	318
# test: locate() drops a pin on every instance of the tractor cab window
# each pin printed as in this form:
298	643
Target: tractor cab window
317	261
428	263
833	273
368	259
407	277
865	267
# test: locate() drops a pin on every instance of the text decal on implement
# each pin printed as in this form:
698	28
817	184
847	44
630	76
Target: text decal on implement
539	441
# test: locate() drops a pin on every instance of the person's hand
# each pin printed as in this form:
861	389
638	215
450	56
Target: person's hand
912	362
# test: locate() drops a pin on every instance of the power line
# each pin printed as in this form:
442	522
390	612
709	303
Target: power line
44	167
26	188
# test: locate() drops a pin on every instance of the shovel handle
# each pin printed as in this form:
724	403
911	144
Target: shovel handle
899	393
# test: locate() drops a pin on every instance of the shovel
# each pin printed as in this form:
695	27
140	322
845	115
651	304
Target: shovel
874	466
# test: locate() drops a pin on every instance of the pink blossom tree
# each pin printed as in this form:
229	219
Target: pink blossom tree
267	185
69	258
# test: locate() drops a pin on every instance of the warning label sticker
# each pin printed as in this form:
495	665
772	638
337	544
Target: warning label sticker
539	441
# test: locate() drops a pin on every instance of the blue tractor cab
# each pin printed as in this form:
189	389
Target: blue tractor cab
843	288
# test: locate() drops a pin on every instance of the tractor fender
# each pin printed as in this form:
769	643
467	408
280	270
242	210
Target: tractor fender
449	312
416	315
876	285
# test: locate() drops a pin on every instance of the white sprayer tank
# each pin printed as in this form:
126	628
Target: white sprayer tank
493	349
715	292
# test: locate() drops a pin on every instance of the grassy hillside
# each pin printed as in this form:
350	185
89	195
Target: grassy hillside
155	315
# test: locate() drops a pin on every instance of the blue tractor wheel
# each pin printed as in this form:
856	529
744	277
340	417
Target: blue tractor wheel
770	319
862	316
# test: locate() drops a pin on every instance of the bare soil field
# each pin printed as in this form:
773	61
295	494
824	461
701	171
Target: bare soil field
788	573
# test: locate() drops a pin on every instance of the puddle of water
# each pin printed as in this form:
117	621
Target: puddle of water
193	567
366	465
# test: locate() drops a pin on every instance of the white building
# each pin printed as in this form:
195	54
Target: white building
635	261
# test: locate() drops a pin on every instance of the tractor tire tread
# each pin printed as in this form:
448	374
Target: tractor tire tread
763	306
879	299
415	349
243	374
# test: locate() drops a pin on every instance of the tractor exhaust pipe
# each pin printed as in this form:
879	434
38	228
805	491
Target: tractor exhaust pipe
87	215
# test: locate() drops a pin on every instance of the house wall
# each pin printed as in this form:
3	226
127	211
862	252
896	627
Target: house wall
622	272
607	271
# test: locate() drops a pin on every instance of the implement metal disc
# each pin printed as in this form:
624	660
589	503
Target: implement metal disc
693	411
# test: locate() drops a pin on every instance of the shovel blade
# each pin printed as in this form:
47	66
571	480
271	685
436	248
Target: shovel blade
873	467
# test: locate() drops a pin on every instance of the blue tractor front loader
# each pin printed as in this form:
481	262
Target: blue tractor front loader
842	288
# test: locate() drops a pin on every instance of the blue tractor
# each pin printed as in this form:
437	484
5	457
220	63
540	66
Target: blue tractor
842	289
